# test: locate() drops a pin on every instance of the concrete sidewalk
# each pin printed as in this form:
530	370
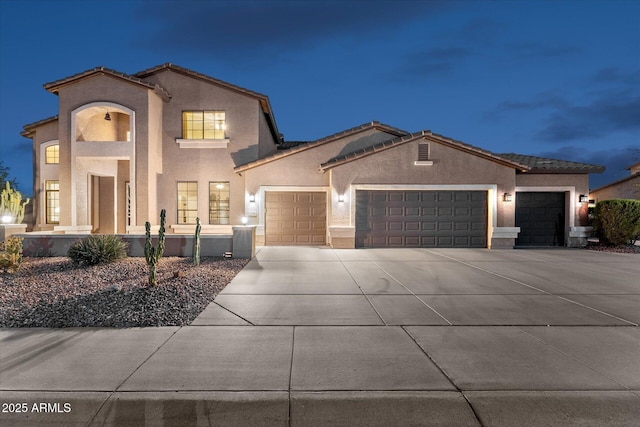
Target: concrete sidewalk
314	336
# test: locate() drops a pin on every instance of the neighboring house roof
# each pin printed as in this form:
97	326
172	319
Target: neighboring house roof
31	127
263	99
426	135
620	181
309	145
55	86
546	165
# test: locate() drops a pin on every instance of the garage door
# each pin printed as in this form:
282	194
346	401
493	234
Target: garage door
295	218
541	218
421	218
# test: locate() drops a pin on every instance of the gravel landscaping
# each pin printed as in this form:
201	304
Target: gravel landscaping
54	292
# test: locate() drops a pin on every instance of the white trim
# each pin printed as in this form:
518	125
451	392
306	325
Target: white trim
202	143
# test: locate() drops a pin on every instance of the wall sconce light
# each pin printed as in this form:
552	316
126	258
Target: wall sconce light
244	220
583	198
252	198
507	197
340	198
107	116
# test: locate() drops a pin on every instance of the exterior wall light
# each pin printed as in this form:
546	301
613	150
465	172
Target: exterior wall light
583	198
252	198
507	197
340	198
6	219
244	220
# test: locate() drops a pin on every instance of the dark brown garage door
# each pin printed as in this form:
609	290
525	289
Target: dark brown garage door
541	219
295	218
421	219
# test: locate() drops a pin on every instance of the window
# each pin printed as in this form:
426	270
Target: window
218	203
187	202
52	197
52	154
203	125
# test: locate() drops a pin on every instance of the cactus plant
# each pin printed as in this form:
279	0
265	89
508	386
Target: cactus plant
196	243
12	205
153	254
11	254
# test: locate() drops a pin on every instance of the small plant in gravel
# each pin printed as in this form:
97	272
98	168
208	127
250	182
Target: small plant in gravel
97	249
153	254
11	254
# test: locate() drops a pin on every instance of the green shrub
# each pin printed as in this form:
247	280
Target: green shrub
617	221
97	249
11	254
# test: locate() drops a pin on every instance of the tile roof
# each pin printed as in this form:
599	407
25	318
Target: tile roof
547	165
29	128
619	181
285	145
308	145
426	135
170	66
54	86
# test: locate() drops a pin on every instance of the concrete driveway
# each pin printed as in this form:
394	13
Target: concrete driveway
315	336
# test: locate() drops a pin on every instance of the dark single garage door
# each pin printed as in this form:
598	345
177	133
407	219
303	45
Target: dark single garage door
421	219
295	218
541	218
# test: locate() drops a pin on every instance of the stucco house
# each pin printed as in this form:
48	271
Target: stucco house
122	147
625	188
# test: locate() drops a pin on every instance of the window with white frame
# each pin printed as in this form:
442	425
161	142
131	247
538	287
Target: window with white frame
52	154
187	202
203	124
52	200
219	203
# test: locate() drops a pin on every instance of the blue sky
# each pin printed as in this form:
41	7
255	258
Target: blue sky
551	78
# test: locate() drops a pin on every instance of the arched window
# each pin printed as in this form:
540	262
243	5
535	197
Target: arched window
52	154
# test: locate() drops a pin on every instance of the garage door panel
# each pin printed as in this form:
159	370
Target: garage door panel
295	218
446	218
541	218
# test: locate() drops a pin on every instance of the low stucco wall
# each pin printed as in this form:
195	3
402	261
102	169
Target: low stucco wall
241	244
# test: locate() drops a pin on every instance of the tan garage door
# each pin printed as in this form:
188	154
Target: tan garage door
295	218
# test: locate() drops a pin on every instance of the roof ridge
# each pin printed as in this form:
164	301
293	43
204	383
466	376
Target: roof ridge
175	67
318	142
413	136
51	86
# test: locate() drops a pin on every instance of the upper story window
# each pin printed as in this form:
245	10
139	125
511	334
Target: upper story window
52	154
203	125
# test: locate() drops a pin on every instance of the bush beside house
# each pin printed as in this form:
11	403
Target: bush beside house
617	222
